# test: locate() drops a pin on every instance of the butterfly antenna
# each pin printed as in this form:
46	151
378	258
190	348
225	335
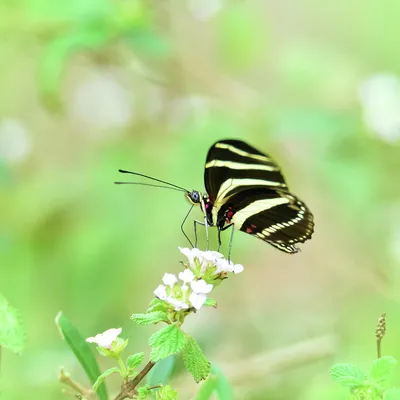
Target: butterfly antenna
170	185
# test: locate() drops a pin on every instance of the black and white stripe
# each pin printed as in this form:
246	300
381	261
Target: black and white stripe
246	187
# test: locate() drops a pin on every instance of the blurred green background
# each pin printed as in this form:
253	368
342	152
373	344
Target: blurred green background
88	87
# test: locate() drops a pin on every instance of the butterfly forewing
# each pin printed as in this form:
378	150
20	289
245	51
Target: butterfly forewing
247	188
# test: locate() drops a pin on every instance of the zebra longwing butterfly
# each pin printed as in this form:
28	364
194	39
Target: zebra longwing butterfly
247	191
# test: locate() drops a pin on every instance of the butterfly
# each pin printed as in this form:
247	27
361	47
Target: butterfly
246	191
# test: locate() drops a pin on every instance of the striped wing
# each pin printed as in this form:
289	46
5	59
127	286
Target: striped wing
247	184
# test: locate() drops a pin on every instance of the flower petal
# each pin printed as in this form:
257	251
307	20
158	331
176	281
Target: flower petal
161	292
186	276
169	279
197	300
201	286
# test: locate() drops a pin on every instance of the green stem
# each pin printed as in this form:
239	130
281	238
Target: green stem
124	370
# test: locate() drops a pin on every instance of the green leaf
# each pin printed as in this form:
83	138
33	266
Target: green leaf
161	372
166	393
169	340
134	360
392	394
12	331
82	352
224	387
207	388
158	305
104	375
143	392
57	53
150	318
210	303
347	375
382	369
194	360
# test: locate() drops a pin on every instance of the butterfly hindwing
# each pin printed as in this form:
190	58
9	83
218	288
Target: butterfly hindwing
246	188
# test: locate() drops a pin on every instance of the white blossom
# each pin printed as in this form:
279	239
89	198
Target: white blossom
178	304
161	292
201	286
186	276
238	268
197	299
169	279
106	338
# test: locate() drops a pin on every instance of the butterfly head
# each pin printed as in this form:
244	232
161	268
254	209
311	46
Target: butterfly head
194	197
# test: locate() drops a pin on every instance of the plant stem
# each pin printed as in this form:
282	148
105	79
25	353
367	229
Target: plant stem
78	388
378	348
128	389
123	368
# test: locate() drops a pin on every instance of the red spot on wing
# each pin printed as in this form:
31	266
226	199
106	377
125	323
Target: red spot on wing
249	230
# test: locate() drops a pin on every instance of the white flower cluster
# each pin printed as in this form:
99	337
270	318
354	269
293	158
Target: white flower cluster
105	339
191	290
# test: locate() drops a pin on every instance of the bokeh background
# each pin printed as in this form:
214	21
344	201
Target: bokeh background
88	87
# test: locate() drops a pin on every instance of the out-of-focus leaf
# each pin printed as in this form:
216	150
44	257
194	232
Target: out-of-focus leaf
82	352
12	331
57	53
224	388
161	372
242	36
166	393
207	388
148	43
347	375
382	370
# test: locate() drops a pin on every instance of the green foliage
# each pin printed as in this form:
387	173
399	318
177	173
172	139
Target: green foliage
166	393
12	331
157	305
82	352
207	388
224	388
382	370
194	360
143	392
169	340
373	387
161	372
347	375
134	361
104	375
152	317
210	302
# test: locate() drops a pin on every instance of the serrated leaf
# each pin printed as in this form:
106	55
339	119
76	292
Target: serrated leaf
143	392
158	305
134	360
161	372
166	393
82	352
103	376
382	369
194	360
347	375
169	340
392	394
12	331
150	318
210	303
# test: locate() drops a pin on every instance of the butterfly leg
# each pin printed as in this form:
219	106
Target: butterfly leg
195	222
230	240
183	222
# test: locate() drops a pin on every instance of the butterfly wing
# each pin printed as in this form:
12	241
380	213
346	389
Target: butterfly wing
233	165
247	188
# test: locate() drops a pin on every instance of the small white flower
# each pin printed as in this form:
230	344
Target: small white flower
197	300
106	338
212	255
223	265
169	279
186	276
201	286
178	304
161	292
191	254
238	268
184	288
